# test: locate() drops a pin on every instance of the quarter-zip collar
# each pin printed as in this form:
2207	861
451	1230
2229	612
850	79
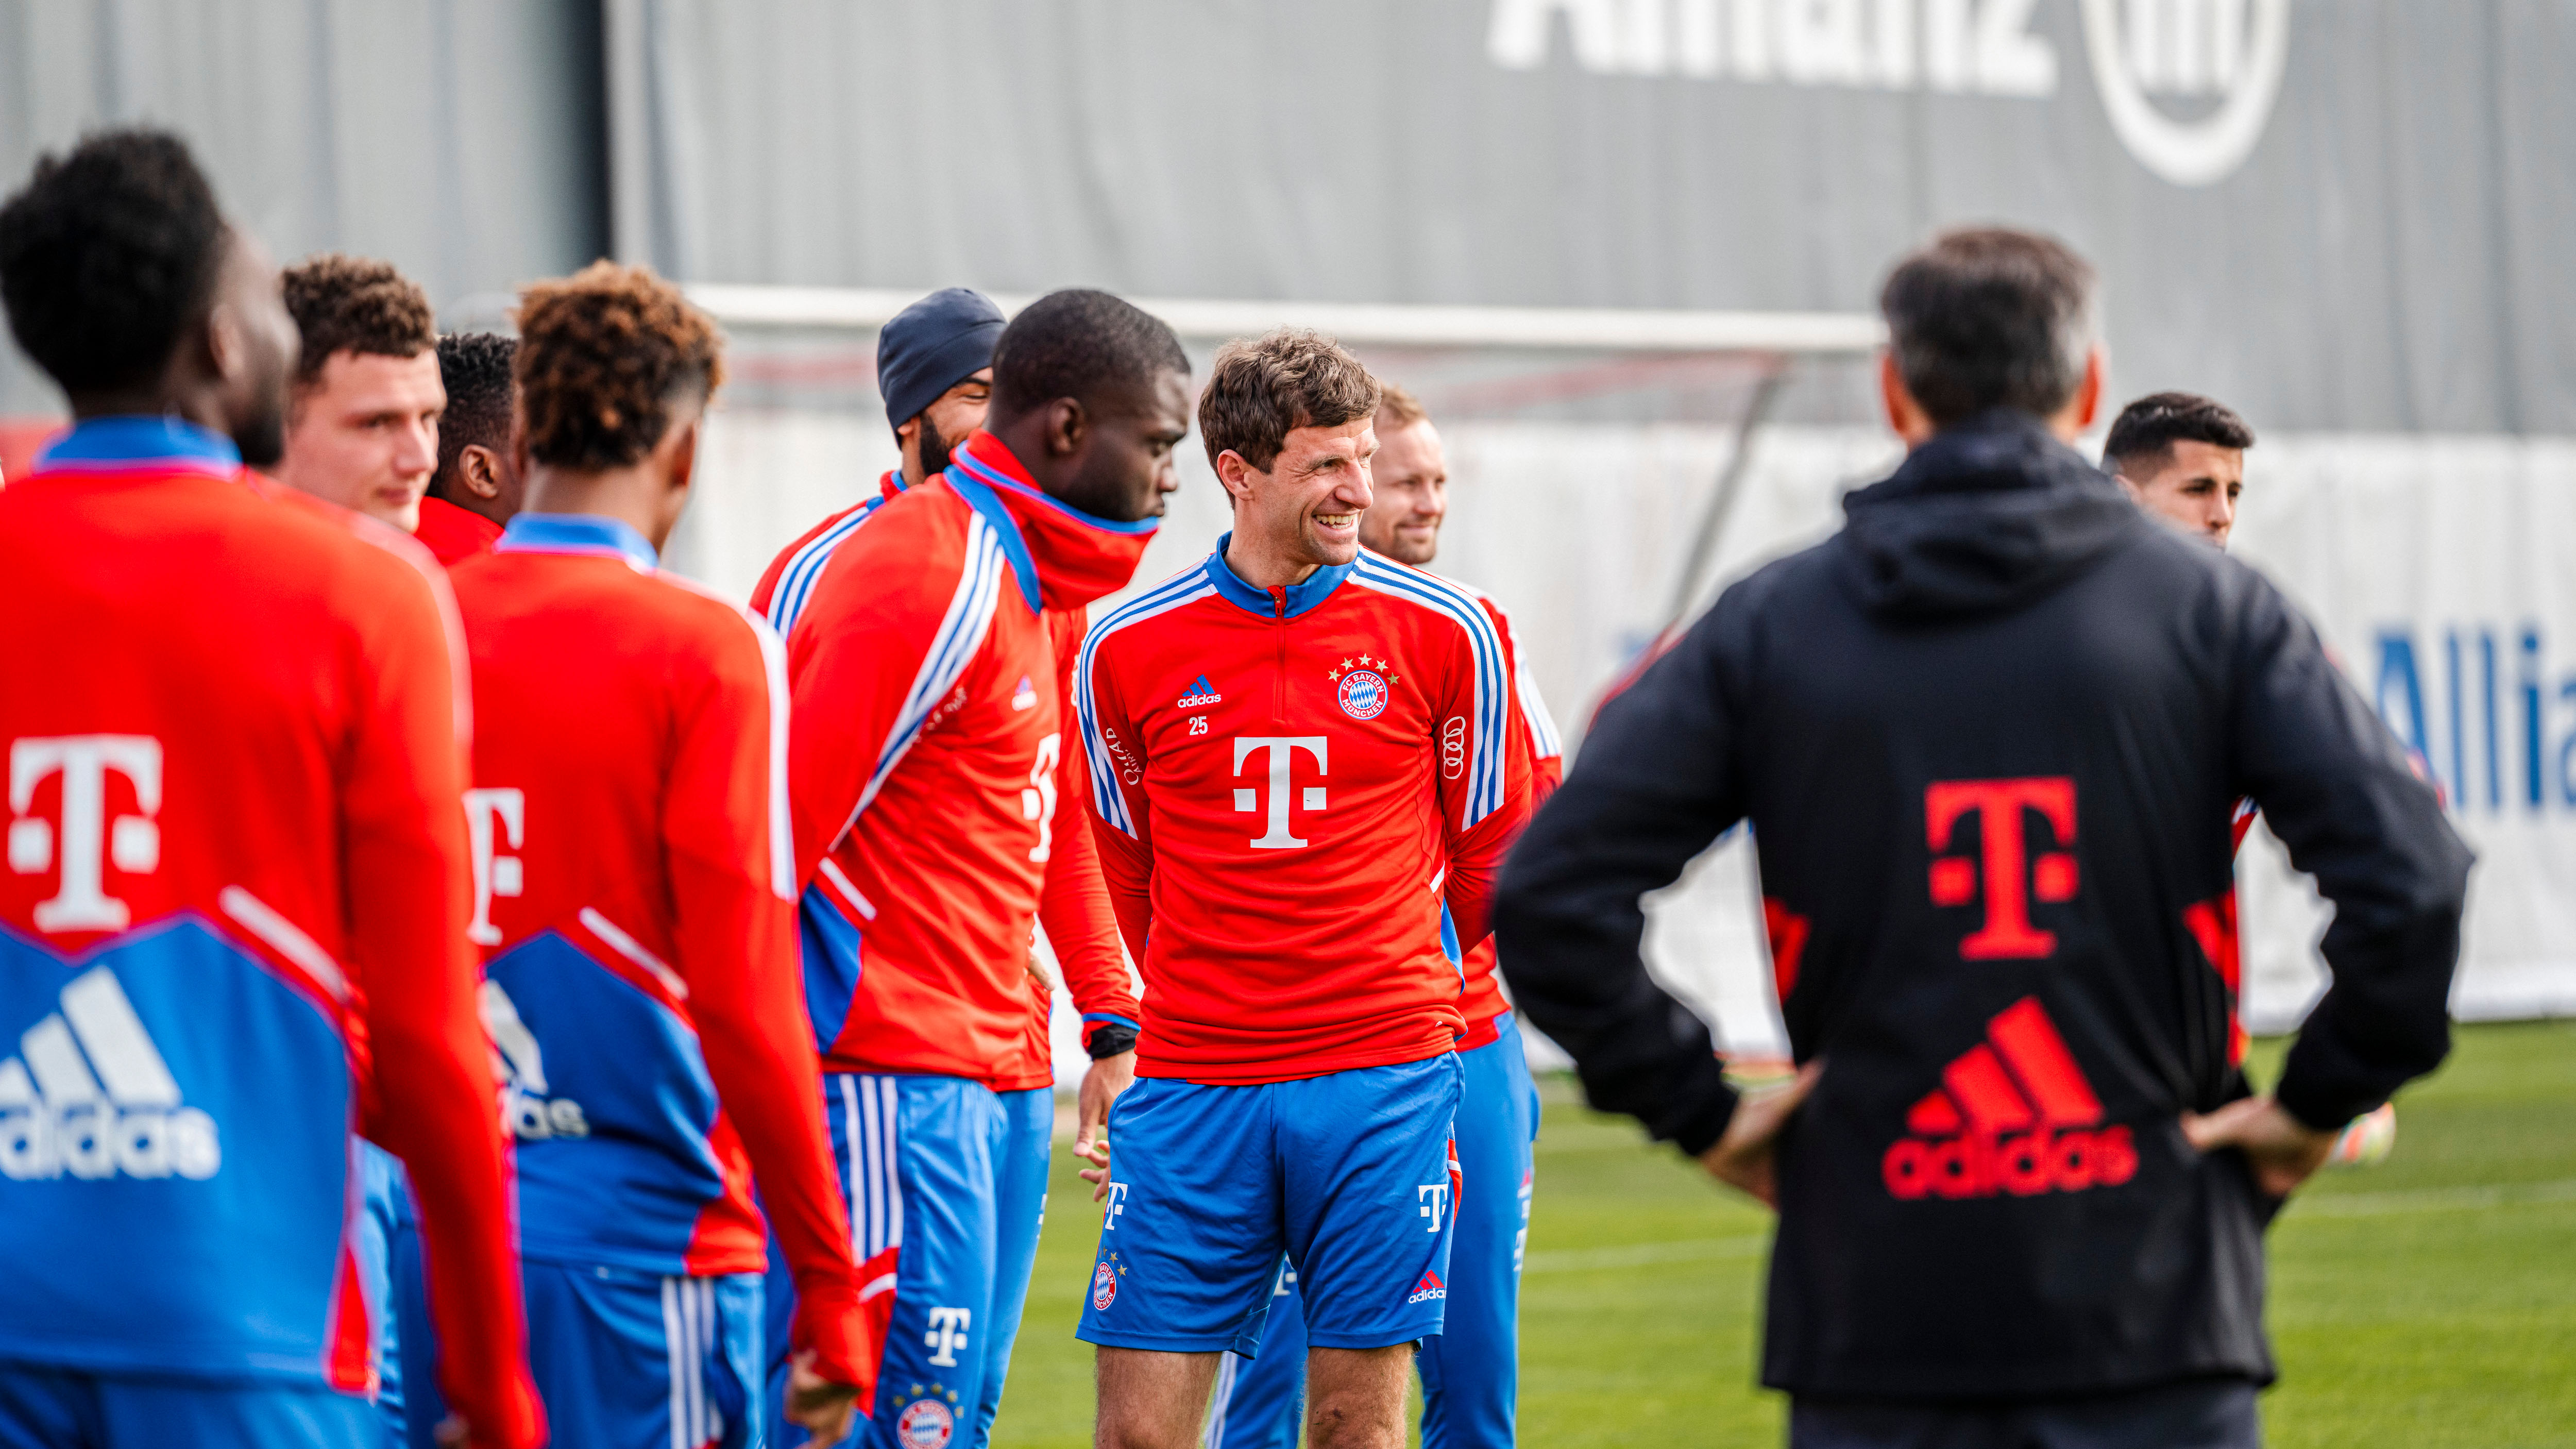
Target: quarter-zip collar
1280	603
588	533
1062	557
141	440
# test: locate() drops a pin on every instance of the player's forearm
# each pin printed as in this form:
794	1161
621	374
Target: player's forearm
1568	930
1082	926
760	1054
444	1129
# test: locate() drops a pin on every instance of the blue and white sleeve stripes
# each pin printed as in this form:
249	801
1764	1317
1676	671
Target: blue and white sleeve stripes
1182	588
796	581
1487	782
961	633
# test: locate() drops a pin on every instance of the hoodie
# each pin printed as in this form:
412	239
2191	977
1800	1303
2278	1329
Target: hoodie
1990	737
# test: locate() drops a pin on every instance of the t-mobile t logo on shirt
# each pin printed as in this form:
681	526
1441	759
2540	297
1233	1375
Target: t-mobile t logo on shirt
1282	750
2009	884
87	840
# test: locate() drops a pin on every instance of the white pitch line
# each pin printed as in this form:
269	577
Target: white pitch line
2434	1200
1643	1255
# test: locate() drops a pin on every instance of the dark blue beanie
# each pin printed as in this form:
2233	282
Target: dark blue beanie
933	345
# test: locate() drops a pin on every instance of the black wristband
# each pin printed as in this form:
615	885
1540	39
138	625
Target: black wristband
1110	1038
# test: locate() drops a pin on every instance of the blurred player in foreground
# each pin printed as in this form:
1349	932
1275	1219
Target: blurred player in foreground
930	645
1471	1371
477	488
633	898
1306	763
362	427
2022	1186
235	906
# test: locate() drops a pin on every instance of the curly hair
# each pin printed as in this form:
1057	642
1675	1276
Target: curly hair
355	304
1261	390
107	255
604	356
475	368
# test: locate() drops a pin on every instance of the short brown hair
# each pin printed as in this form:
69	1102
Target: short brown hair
1989	317
1397	408
2149	427
1262	389
604	355
355	304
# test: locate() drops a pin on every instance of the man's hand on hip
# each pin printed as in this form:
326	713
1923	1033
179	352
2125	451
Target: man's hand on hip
1744	1157
2280	1149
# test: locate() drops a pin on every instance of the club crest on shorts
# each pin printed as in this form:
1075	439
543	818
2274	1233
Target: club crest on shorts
1359	687
925	1424
1104	1287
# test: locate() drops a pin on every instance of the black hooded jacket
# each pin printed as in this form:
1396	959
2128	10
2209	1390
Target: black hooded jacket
1990	737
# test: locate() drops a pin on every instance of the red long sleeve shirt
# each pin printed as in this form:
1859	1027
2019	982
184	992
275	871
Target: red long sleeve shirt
633	896
1289	785
927	634
236	906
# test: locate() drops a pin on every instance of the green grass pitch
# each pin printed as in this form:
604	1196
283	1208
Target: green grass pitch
2429	1301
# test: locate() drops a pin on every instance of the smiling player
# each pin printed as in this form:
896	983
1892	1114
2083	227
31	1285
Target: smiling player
1305	770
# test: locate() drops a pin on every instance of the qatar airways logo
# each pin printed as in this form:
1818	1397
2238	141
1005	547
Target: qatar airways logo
1280	751
2188	85
84	840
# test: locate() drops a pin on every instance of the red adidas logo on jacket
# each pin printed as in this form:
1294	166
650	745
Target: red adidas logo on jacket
2012	1115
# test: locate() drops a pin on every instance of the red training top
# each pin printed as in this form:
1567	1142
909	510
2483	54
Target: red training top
928	636
633	897
234	917
1289	785
454	534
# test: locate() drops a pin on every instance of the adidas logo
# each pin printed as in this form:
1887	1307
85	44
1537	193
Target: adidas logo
1024	697
520	1067
1429	1288
1201	695
88	1094
2014	1115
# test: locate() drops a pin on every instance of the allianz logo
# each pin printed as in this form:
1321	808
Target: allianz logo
89	1096
527	1112
2212	67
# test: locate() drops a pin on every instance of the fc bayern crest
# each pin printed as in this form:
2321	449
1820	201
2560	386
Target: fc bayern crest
1104	1287
1363	694
925	1424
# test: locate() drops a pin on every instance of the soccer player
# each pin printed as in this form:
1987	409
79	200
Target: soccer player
1305	770
476	488
2021	1184
2181	457
235	904
632	896
362	426
1471	1371
930	645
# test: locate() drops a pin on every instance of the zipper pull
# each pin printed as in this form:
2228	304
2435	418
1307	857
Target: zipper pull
1278	602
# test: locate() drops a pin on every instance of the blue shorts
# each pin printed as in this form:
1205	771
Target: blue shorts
1351	1175
47	1408
1471	1372
945	1181
633	1360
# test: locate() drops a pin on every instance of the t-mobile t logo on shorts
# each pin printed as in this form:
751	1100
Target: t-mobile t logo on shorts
947	1334
1433	1198
1117	1205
